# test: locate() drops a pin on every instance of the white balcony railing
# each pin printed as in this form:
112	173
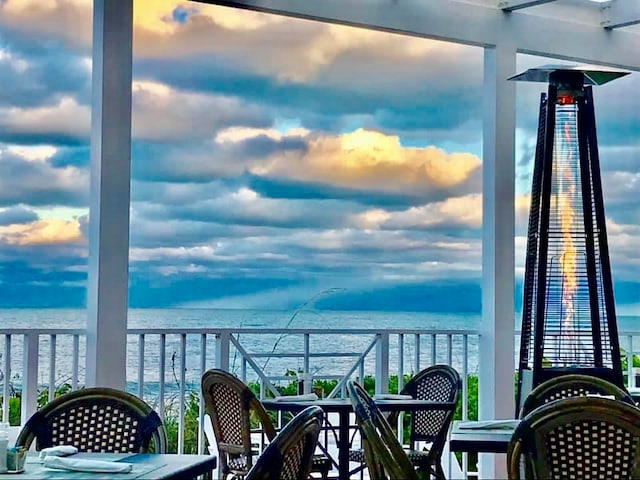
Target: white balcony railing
165	365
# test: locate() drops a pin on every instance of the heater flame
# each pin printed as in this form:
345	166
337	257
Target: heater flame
568	259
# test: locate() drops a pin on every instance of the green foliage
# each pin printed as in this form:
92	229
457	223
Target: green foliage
14	410
43	393
190	429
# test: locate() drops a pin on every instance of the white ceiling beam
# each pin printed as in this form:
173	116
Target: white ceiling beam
511	5
621	13
466	23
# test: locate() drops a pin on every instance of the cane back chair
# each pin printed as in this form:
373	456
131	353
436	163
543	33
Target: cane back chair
96	420
230	404
578	438
290	455
384	456
572	385
437	383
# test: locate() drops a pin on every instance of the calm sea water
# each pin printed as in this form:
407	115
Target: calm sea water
280	344
220	318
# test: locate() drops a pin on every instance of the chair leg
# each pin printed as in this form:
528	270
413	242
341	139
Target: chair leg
439	473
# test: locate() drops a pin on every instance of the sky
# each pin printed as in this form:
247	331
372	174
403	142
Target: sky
275	163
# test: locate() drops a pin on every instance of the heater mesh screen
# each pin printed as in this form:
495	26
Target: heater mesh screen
568	329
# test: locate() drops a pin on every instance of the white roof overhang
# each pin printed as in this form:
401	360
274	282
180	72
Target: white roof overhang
576	30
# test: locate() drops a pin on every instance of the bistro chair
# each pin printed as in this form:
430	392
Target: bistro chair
290	455
437	383
101	420
585	438
572	385
231	405
384	456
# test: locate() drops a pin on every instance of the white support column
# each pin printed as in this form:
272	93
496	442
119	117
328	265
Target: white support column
496	349
108	283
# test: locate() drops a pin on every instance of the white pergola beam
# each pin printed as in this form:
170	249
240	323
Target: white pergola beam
621	13
467	23
512	5
108	283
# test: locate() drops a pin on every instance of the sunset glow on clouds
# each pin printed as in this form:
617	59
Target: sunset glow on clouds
273	158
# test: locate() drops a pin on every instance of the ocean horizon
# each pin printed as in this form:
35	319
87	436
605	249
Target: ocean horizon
188	317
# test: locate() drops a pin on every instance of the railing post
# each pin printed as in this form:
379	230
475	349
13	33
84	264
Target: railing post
223	342
203	368
7	378
29	402
52	367
382	363
631	381
307	379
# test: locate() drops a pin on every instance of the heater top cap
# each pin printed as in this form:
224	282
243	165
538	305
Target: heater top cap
591	77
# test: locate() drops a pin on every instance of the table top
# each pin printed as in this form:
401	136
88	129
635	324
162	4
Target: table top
146	466
470	436
344	405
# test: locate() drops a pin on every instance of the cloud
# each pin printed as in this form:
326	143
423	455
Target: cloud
65	123
371	160
164	114
42	232
460	211
24	180
69	21
16	215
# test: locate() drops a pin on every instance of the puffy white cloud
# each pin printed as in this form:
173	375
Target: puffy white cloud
367	159
67	118
457	211
48	231
162	113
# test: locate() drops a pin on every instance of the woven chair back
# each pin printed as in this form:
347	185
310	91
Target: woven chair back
383	454
96	420
289	456
230	404
437	383
572	385
585	438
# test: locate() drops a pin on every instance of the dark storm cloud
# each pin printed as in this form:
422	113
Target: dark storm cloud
9	134
17	214
322	106
25	283
47	74
274	213
37	183
293	189
154	291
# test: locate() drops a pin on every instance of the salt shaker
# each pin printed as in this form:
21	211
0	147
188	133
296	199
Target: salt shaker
4	441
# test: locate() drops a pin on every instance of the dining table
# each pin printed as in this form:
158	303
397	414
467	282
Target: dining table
145	466
486	436
343	407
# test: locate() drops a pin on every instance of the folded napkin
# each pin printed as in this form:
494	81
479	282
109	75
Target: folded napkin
59	451
392	396
86	465
309	397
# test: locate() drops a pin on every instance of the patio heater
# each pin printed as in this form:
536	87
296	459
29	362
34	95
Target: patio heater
568	314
